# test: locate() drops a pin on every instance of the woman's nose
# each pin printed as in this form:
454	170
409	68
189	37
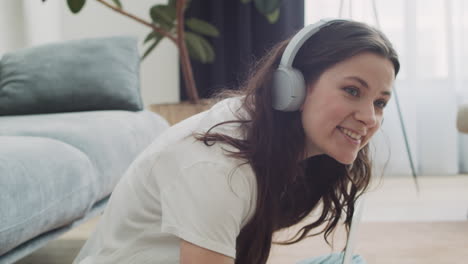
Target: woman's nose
366	114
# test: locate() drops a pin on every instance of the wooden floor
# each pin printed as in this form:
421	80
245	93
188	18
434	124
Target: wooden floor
399	227
391	243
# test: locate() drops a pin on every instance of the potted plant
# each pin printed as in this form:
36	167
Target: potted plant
188	34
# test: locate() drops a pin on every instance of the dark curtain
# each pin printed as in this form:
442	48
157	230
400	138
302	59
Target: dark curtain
245	36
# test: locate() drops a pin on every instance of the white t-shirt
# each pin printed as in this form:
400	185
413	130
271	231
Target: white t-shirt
178	188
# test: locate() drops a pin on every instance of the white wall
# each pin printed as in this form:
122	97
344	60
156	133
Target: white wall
41	22
31	22
11	26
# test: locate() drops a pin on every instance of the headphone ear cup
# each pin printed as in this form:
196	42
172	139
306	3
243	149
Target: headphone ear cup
288	89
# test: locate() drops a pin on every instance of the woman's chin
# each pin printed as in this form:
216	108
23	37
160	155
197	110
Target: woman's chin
345	159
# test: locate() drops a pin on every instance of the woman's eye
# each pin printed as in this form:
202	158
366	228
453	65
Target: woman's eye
352	91
381	103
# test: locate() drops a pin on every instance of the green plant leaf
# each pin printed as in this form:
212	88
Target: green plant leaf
152	35
202	27
199	48
117	3
163	15
75	5
273	17
149	37
267	6
151	48
246	1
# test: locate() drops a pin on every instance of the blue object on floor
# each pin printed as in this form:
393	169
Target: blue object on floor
334	258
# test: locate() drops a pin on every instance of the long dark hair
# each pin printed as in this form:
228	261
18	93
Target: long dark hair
288	187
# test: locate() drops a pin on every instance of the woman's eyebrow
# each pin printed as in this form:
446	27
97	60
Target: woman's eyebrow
364	83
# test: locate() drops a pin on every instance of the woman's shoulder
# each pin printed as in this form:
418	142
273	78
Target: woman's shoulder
178	148
189	151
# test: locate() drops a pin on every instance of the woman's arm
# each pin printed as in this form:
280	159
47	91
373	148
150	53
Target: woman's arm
193	254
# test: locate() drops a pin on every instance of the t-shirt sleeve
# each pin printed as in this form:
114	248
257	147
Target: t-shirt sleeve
207	207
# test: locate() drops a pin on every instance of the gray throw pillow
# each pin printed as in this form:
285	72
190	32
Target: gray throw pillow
78	75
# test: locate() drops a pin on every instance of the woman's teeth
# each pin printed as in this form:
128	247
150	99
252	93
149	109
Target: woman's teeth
350	133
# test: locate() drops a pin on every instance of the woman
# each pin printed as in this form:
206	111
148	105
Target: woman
215	187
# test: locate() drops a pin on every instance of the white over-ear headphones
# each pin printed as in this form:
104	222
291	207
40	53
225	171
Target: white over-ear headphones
289	88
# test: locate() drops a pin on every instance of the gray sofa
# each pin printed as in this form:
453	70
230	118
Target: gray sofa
71	122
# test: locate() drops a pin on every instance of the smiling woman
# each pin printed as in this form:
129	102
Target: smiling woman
350	97
215	187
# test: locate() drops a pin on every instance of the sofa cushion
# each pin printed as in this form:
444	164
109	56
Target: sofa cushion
45	184
111	139
78	75
55	167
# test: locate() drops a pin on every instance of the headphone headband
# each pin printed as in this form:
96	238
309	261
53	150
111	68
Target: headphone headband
304	34
288	86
